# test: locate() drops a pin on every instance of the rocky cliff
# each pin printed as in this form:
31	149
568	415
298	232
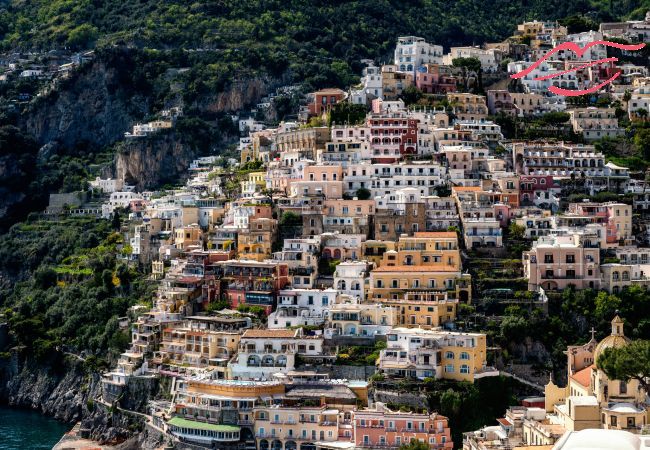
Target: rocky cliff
66	392
154	160
91	107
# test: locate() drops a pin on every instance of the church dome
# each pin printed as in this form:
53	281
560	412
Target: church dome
616	339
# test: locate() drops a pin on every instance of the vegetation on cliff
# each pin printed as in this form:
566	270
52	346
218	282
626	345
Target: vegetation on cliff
64	286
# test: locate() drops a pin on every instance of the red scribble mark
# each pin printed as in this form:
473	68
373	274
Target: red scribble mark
578	51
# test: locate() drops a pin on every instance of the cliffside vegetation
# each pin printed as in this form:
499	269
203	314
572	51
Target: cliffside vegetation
63	286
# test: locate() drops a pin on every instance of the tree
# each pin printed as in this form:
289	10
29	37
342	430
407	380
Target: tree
411	95
471	64
516	231
116	222
414	445
642	142
347	113
363	194
631	362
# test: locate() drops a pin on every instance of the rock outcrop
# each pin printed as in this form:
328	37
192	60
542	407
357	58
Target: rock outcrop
149	162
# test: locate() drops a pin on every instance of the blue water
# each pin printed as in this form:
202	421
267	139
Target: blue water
28	430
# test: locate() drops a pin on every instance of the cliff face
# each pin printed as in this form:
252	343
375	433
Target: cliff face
239	95
62	394
91	107
70	395
149	162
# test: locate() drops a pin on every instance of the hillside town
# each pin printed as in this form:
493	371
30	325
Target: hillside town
333	258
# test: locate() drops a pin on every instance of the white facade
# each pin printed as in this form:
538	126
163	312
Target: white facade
413	52
306	307
350	278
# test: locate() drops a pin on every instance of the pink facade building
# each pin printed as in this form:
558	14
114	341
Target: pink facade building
383	428
435	79
394	135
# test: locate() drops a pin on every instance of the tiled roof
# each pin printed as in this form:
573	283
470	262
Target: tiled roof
269	333
584	376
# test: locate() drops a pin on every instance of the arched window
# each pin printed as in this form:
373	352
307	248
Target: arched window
449	355
464	355
464	368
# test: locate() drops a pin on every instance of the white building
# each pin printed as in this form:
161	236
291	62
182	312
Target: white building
350	278
489	58
351	318
263	353
306	307
371	86
413	52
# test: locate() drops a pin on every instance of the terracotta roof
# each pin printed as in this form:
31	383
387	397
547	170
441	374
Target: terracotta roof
583	376
466	188
430	268
269	333
505	422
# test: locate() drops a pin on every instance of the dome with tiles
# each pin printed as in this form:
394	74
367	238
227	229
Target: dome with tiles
616	339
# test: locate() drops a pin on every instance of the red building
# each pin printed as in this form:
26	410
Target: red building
530	184
435	79
246	282
324	100
394	136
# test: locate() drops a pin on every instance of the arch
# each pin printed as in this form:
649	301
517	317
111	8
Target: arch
254	361
276	445
268	361
337	253
409	68
281	361
290	445
341	285
264	444
307	446
626	276
327	253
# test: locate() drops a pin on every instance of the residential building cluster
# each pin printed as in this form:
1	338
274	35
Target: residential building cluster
322	238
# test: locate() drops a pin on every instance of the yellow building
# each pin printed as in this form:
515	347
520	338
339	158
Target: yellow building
373	251
426	310
185	237
424	262
468	106
256	242
590	399
188	346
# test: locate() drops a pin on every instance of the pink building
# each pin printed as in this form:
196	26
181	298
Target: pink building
436	79
529	185
323	173
557	262
394	135
383	428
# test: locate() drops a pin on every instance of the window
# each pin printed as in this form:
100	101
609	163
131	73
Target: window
612	421
449	368
464	368
622	387
548	259
449	355
570	259
464	355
